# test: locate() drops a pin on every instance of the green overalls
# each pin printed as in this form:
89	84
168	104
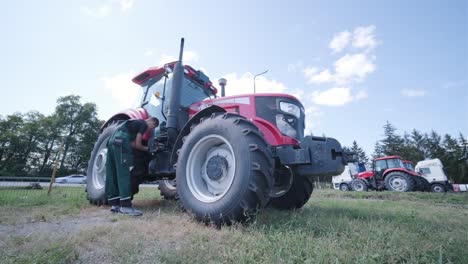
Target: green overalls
119	162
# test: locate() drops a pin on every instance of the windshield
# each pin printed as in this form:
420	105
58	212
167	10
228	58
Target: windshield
191	93
395	163
409	166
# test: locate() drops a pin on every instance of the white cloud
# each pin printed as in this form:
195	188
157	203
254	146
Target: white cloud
106	9
333	97
313	119
337	96
413	92
99	12
353	67
244	84
123	90
348	69
298	93
340	41
126	5
323	76
364	37
190	56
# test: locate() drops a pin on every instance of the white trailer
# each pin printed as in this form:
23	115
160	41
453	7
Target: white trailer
433	171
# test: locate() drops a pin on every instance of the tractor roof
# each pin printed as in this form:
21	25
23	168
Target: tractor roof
389	157
152	72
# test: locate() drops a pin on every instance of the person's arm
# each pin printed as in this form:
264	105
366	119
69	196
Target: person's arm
137	143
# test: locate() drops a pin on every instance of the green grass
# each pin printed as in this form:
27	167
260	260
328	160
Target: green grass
334	227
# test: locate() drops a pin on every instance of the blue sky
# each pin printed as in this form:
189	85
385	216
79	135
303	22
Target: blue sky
353	64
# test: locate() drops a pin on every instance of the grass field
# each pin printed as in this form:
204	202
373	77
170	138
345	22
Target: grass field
334	227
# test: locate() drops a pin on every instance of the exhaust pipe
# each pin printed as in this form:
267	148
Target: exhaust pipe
174	102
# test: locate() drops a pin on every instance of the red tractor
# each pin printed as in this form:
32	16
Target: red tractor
225	158
389	173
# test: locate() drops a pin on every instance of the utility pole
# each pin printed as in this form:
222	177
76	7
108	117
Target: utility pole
257	76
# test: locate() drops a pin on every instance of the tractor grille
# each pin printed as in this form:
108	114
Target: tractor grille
267	107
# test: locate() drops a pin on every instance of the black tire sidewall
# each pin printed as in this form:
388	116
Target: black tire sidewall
438	185
344	185
409	181
233	134
94	194
362	182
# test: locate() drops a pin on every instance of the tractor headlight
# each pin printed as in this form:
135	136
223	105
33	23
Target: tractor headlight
287	125
291	109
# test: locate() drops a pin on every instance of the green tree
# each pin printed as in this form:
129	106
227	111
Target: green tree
391	143
77	122
361	154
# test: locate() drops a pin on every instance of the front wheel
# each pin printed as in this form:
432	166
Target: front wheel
345	187
297	195
438	188
359	185
224	170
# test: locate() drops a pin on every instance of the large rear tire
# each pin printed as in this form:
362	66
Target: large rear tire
399	182
418	184
224	170
359	185
297	196
168	189
96	176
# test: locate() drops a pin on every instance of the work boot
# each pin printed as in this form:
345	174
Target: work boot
115	208
130	211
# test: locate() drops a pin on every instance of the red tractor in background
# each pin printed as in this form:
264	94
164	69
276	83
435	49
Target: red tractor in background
225	158
390	173
408	165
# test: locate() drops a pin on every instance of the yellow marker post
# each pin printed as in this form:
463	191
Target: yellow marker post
52	179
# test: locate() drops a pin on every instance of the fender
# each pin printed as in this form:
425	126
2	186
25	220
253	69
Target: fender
138	113
366	175
366	181
387	171
186	129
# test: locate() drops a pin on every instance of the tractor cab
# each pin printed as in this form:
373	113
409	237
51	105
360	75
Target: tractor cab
382	164
157	84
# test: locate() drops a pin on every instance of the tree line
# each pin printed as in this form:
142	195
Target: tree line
416	146
30	142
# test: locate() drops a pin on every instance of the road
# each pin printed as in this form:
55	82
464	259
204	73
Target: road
46	184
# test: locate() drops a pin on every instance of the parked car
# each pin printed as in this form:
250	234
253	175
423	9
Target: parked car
75	178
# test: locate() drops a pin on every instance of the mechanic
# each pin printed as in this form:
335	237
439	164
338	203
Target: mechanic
126	138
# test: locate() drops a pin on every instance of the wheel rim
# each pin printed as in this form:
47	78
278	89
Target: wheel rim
344	187
438	188
398	183
170	184
210	168
358	186
98	176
